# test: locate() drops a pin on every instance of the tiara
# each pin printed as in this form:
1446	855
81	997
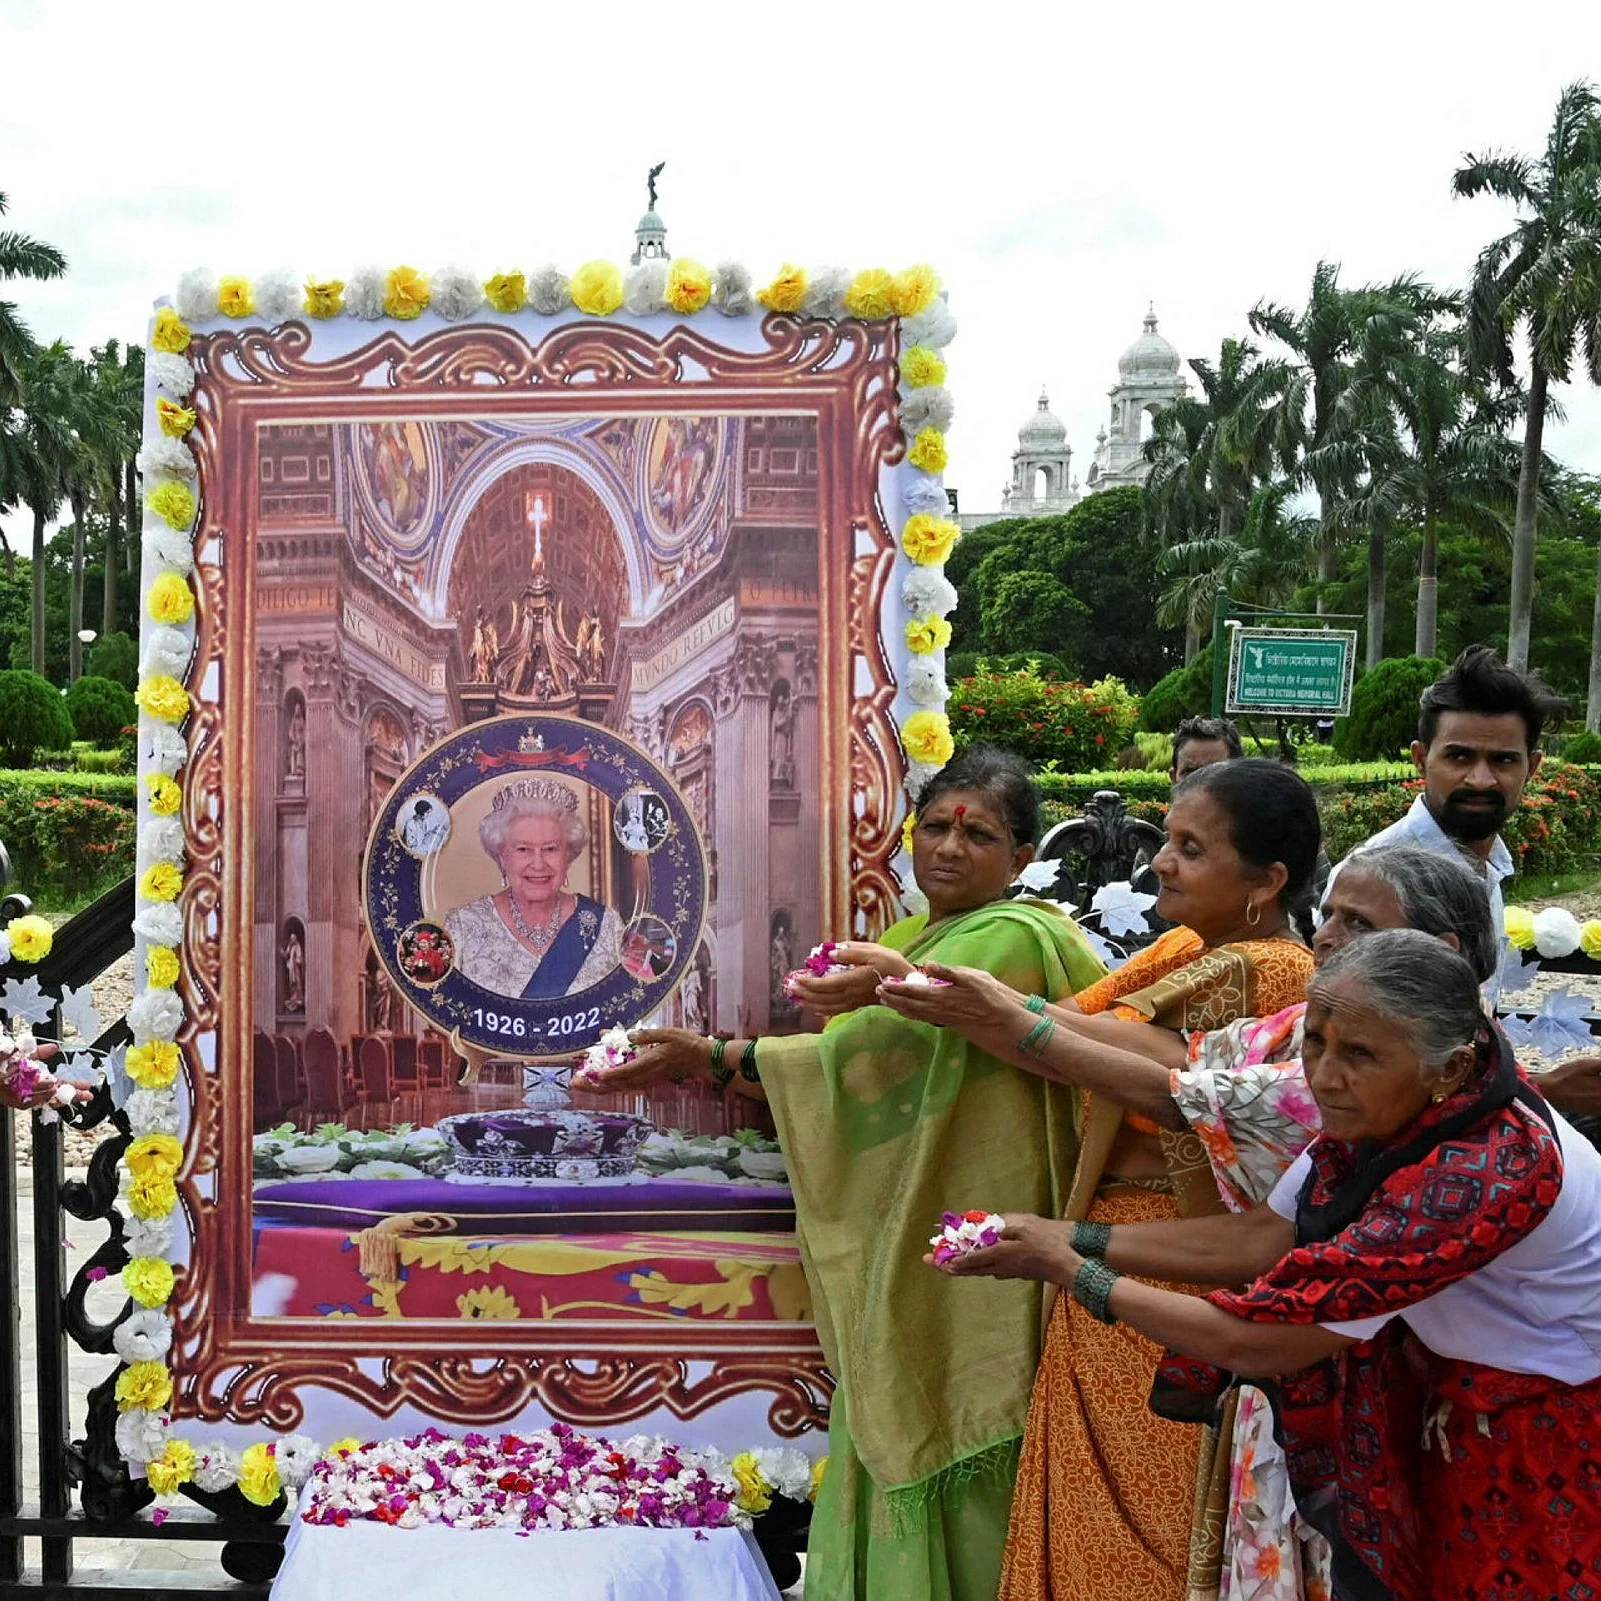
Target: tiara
538	789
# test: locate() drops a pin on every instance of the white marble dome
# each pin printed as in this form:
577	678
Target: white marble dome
1150	356
1044	430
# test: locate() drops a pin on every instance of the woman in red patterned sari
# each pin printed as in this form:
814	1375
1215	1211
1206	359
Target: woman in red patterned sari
1423	1287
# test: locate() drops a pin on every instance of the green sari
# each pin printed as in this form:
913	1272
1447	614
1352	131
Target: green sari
887	1123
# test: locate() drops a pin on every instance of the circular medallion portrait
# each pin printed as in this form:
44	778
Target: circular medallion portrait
552	887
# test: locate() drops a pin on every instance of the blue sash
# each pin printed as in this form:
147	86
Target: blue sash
561	964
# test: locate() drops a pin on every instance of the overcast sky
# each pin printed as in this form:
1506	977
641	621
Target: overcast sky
1060	164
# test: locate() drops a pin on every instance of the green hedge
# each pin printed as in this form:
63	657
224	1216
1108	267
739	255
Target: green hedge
69	834
1073	790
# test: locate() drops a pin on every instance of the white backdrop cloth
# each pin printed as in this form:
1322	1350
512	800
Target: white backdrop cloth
366	1560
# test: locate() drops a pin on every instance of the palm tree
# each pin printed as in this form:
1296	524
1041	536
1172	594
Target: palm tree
41	456
1176	499
118	384
97	437
20	257
1543	279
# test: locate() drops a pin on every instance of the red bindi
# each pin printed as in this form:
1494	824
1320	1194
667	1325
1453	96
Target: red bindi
961	811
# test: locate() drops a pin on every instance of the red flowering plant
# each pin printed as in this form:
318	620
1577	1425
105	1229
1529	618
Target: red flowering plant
1077	726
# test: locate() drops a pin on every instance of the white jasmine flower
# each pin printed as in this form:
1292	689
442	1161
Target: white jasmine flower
454	293
168	547
277	296
645	288
174	373
927	408
731	289
167	650
152	1112
141	1435
549	290
934	328
164	457
364	294
825	292
927	589
196	298
156	1014
161	840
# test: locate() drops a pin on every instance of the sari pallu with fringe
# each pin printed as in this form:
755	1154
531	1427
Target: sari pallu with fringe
1369	1243
887	1123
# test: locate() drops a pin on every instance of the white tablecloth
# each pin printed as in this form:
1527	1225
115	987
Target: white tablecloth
371	1562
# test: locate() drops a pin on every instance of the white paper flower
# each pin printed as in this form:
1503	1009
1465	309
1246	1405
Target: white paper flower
924	492
161	840
152	1112
196	297
5	947
157	1014
925	680
164	457
927	408
364	294
166	651
788	1471
174	373
78	1010
145	1336
216	1467
160	922
25	1001
168	547
1556	932
934	328
549	290
825	292
296	1456
161	746
455	293
917	776
1038	875
277	296
148	1236
141	1436
1122	908
927	589
731	289
645	288
914	900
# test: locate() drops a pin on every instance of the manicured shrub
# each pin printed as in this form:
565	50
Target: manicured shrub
32	717
1045	720
1583	749
100	708
64	839
1384	708
1184	692
115	656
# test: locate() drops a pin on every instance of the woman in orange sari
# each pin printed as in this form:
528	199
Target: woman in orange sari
1108	1495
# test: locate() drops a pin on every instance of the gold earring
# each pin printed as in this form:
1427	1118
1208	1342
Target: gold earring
1250	907
1440	1095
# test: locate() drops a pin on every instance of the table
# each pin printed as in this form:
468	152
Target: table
363	1561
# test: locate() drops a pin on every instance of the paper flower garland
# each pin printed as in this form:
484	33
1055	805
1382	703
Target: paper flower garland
1554	932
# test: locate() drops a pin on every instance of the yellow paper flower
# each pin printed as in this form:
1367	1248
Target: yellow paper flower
786	292
161	966
405	293
689	285
928	539
324	297
146	1385
163	696
908	828
913	290
152	1196
506	291
154	1155
343	1447
235	297
927	738
153	1066
175	1466
31	938
819	1468
755	1493
924	634
165	795
1520	927
170	599
869	294
172	503
1590	938
928	451
921	367
161	881
171	332
148	1280
175	420
258	1475
493	1302
597	288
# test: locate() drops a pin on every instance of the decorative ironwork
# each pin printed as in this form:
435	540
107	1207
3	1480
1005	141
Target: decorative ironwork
1107	843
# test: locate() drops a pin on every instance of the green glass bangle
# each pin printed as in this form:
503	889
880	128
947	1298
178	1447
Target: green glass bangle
1038	1037
1036	1003
747	1063
722	1071
1092	1239
1092	1285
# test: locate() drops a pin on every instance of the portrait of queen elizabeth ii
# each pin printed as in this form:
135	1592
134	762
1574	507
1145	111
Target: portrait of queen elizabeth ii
534	937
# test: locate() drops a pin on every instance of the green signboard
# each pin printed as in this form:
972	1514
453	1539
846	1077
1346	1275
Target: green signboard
1291	671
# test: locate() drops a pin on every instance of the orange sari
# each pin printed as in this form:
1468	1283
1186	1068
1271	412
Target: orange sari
1107	1492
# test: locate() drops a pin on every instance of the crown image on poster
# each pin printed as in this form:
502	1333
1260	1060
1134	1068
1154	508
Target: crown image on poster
672	537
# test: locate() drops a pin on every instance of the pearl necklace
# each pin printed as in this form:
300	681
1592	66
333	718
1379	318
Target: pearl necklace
541	935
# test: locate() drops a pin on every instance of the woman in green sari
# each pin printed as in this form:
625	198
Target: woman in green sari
887	1123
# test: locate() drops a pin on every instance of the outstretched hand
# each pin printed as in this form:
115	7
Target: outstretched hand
673	1054
969	998
1030	1247
835	993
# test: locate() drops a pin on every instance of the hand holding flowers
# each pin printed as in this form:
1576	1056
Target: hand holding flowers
1025	1247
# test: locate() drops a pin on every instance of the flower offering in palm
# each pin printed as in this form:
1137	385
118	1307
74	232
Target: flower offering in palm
962	1233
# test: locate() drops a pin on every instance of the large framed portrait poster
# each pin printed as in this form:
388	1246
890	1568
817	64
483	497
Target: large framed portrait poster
546	673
